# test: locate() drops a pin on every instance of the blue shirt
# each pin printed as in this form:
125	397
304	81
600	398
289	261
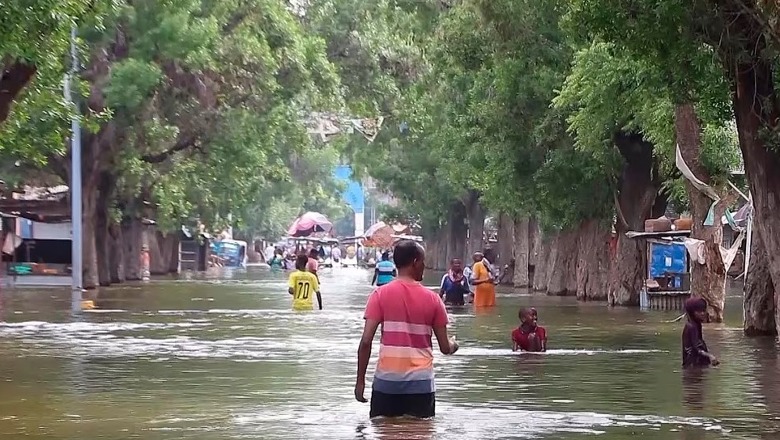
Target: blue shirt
385	269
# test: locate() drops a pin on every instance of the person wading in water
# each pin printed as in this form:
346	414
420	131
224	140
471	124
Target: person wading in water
454	285
485	281
385	271
694	351
409	314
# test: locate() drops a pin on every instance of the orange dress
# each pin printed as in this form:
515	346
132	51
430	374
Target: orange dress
485	293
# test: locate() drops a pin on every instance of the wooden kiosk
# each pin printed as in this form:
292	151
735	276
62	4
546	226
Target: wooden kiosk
668	276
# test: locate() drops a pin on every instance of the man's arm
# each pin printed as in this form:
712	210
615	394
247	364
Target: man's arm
316	287
376	274
446	345
364	354
291	285
692	343
478	274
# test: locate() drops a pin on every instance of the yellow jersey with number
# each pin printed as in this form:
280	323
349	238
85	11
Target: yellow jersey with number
305	286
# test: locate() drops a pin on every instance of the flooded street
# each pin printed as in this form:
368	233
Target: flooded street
227	359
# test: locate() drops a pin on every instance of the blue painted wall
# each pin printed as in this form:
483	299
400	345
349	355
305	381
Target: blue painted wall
26	227
353	195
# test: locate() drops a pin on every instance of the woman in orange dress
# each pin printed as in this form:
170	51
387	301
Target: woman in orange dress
484	280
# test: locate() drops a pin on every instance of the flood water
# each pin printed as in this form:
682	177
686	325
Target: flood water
226	358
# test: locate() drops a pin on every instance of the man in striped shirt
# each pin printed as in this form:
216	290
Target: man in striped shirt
409	314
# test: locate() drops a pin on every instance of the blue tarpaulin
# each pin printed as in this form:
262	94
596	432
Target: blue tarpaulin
667	257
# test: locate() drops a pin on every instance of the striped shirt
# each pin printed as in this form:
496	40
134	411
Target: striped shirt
384	270
408	312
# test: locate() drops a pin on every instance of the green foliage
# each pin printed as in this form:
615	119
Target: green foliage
38	34
609	89
572	184
515	100
132	82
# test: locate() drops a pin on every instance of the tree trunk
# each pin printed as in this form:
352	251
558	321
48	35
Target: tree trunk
116	253
173	252
756	112
13	80
593	261
159	252
541	274
132	233
562	266
89	226
102	243
476	219
522	247
534	249
102	239
506	241
458	232
707	280
436	249
759	303
637	190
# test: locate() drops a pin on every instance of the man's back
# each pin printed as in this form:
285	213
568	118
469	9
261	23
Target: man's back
408	312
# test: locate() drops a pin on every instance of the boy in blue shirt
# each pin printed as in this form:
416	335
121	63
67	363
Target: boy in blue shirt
385	271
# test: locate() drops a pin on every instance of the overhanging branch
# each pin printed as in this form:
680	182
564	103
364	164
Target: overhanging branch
181	145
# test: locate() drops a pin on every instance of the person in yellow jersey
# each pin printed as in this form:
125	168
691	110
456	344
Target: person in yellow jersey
303	285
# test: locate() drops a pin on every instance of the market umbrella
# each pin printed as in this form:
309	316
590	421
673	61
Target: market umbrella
308	224
379	235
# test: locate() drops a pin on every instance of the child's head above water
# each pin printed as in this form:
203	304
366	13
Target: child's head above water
527	317
696	309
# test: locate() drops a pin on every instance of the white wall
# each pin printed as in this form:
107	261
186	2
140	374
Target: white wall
51	231
360	223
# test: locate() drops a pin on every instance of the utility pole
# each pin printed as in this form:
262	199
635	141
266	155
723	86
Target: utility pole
75	182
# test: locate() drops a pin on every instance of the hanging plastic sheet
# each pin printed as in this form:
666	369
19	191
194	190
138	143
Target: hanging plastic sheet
730	254
698	184
696	250
706	189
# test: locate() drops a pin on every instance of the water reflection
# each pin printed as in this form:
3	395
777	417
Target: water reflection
693	385
393	429
213	357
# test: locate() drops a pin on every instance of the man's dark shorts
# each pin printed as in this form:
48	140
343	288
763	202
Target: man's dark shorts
396	405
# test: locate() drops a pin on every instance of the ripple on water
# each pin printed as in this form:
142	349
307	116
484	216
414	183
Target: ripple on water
230	360
451	422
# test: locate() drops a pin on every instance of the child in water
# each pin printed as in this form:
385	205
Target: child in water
529	336
694	350
303	286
